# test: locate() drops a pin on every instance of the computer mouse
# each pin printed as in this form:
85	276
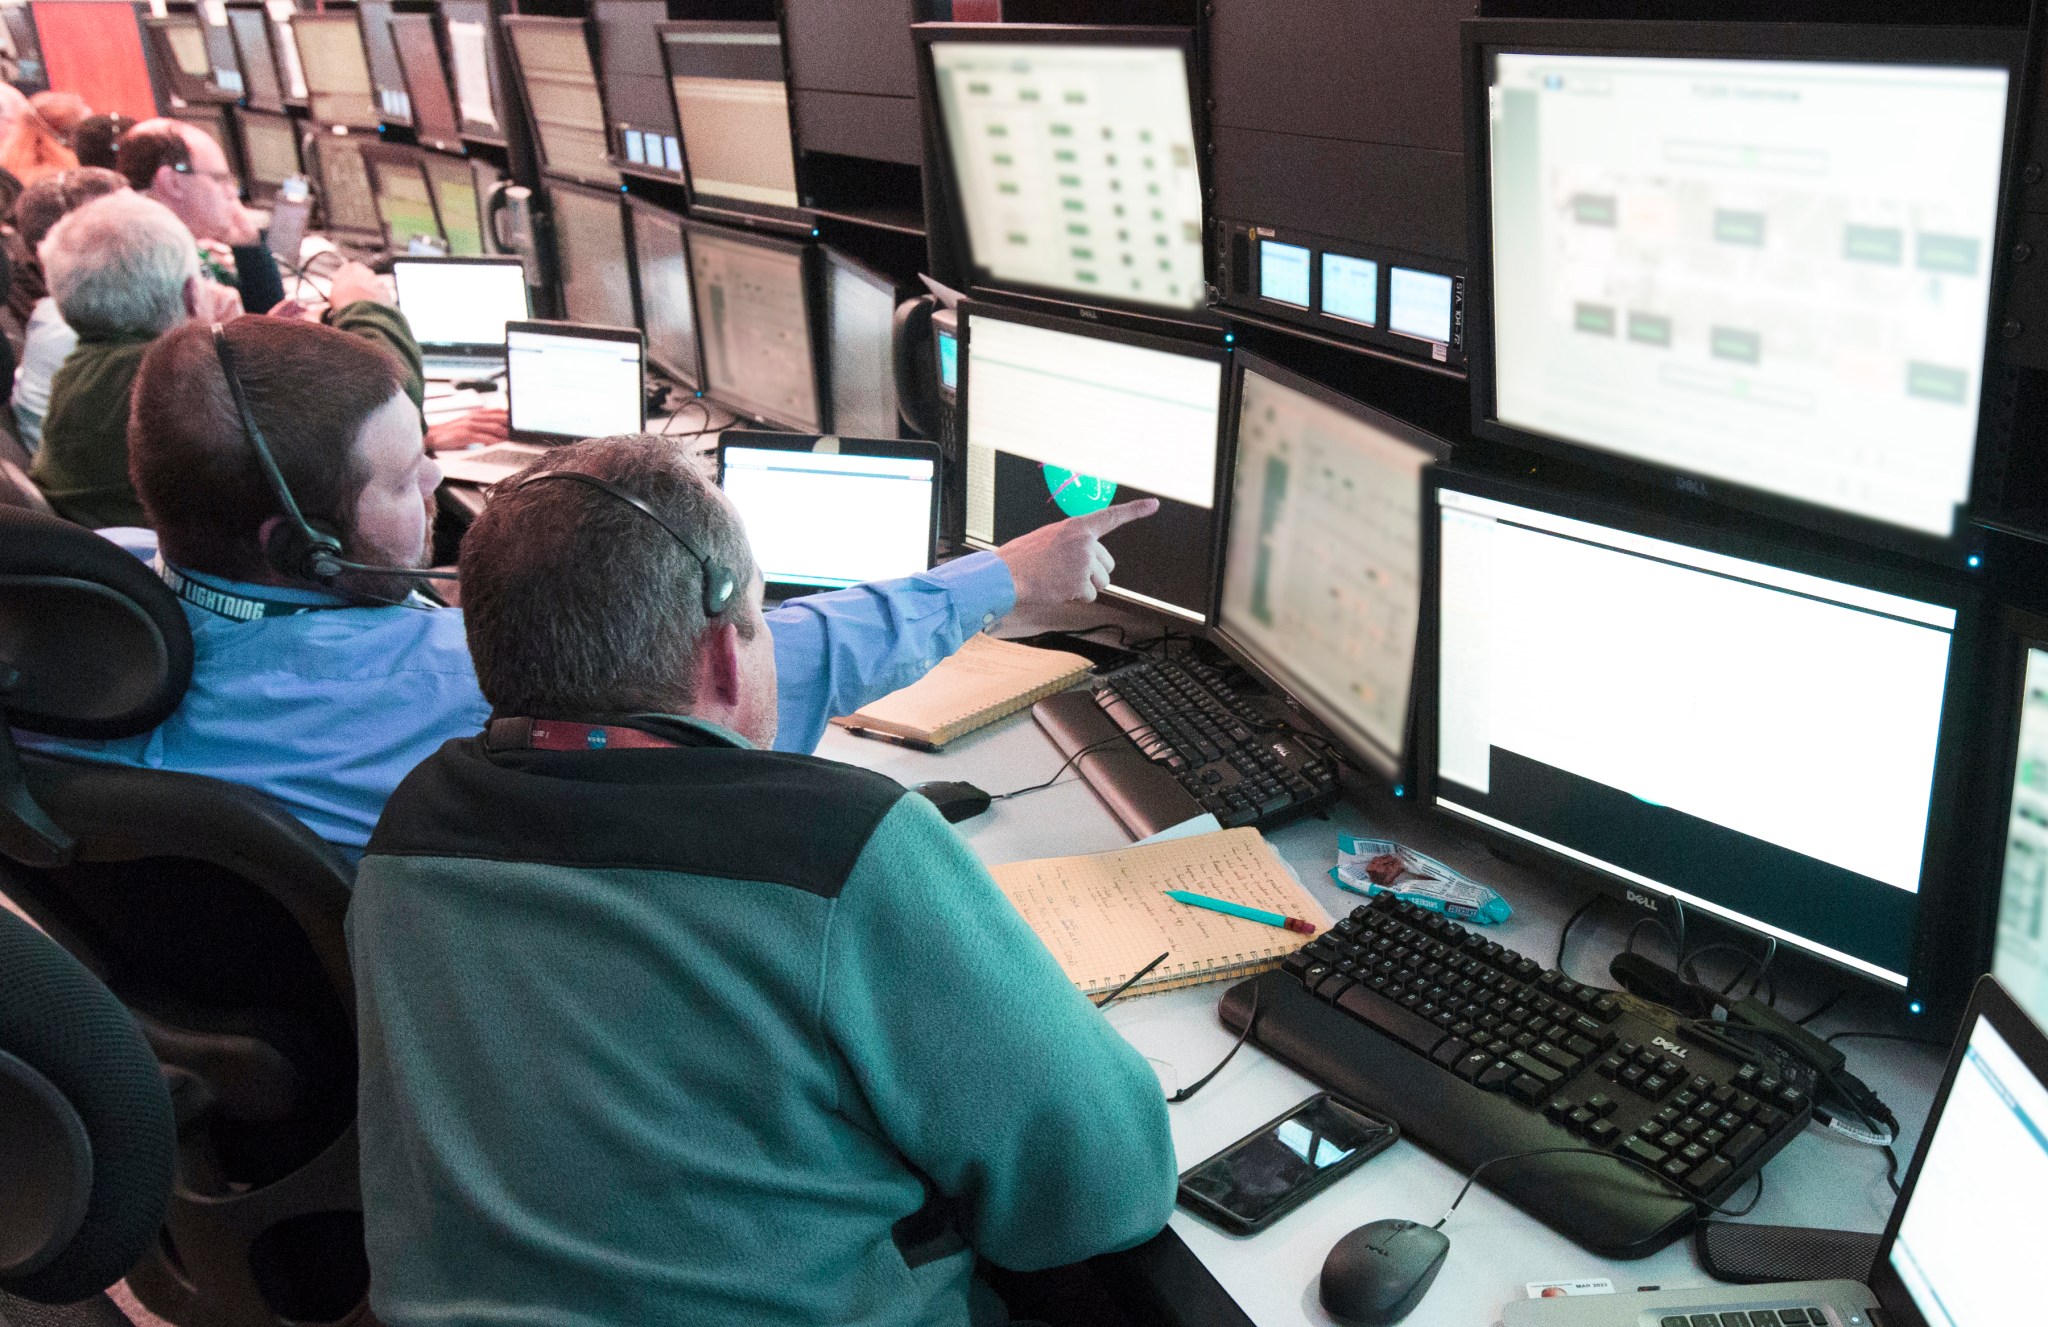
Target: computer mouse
1376	1274
956	801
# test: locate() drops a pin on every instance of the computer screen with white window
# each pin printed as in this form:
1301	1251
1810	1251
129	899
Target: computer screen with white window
754	324
453	304
1754	740
1322	566
1772	273
2020	951
1064	419
828	521
569	386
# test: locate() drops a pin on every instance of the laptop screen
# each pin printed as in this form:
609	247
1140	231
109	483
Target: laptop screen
573	386
460	304
1969	1243
795	505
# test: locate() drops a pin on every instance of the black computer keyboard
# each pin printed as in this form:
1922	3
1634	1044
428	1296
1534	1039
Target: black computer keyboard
1479	1052
1195	745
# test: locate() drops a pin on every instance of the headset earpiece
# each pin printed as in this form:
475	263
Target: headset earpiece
720	584
304	552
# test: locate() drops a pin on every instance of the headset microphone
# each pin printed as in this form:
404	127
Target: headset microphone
297	547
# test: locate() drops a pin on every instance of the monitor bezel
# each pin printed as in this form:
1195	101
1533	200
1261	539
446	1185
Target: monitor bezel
1817	42
1218	352
2020	632
693	378
1990	1003
477	11
381	157
516	23
1940	943
336	18
465	166
946	213
552	189
813	304
194	89
267	57
897	448
589	332
739	211
264	190
1396	767
357	141
366	23
430	23
480	348
832	259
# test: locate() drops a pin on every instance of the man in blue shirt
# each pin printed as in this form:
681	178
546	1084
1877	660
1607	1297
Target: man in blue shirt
325	697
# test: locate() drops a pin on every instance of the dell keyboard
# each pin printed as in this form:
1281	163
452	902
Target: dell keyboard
1194	745
1480	1052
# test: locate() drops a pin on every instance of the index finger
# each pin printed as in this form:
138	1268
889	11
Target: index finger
1100	523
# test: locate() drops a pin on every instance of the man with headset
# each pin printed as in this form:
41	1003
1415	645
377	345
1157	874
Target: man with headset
324	685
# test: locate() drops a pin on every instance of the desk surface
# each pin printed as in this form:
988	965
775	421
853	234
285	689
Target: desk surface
1821	1179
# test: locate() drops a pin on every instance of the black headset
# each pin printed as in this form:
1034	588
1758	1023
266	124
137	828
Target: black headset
297	547
719	581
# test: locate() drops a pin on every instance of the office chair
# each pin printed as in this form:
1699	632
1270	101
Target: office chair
211	912
86	1137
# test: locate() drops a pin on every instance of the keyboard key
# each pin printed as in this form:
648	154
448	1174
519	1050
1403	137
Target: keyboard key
1474	1063
1524	1088
1557	1108
1535	1068
1763	1318
1742	1144
1705	1320
1371	1007
1580	1120
1496	1075
1795	1318
1602	1132
1735	1320
1450	1052
1601	1104
1644	1151
1563	1059
1674	1169
1709	1175
1675	1322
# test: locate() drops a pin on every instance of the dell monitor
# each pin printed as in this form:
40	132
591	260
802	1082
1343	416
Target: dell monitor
1066	417
732	103
405	201
1070	160
471	30
552	57
661	280
261	86
348	207
590	254
860	349
270	144
1322	563
2019	955
755	326
457	201
795	492
426	82
566	381
1756	260
182	56
1764	737
338	87
387	75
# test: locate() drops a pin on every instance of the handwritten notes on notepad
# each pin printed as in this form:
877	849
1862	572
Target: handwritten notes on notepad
988	679
1107	915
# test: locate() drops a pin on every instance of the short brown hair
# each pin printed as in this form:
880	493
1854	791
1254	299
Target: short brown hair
577	604
50	199
310	388
147	147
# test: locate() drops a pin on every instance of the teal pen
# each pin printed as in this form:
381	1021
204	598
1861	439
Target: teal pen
1230	909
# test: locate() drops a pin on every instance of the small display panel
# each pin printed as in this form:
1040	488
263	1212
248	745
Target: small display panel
1283	273
1351	289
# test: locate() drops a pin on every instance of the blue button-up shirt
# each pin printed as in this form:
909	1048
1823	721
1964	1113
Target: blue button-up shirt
326	711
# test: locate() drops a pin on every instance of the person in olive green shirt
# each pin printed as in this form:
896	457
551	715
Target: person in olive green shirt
123	271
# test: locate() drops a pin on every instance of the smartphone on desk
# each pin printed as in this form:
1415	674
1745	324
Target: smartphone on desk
1270	1172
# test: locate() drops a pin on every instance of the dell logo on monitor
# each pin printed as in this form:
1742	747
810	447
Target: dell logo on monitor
1641	900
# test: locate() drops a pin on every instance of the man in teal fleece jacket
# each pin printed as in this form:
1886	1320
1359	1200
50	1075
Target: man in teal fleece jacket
661	1026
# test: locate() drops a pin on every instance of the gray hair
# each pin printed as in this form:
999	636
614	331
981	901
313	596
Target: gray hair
578	605
118	266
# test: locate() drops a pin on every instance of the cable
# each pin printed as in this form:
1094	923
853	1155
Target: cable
1092	746
1565	934
1822	1007
1251	1017
1110	999
1888	1036
1631	1162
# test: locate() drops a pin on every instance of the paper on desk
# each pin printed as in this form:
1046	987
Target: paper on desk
1106	915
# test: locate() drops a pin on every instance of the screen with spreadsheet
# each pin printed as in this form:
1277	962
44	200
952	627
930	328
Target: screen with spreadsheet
1074	167
590	255
1601	694
569	386
733	106
1322	566
555	68
2020	954
797	504
337	71
754	323
1064	419
1769	272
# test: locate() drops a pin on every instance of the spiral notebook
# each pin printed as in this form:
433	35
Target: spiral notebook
1106	916
986	680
